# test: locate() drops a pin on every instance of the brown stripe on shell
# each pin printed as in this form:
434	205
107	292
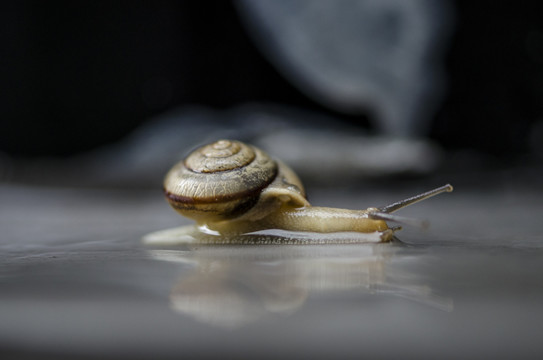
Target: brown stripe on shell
233	212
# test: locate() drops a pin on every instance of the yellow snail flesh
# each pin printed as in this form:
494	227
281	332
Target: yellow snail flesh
231	188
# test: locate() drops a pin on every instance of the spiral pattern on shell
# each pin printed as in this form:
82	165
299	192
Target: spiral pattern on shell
220	180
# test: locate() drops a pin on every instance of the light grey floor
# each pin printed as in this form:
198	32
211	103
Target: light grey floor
76	279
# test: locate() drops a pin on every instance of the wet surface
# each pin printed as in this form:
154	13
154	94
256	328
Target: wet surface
75	278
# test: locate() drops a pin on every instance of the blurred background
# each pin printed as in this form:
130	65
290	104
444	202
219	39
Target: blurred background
465	78
370	101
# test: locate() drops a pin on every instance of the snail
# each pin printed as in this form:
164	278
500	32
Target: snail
231	188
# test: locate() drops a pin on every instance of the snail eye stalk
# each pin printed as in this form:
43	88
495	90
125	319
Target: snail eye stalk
415	199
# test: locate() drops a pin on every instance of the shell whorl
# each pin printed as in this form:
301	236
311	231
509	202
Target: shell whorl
222	155
220	180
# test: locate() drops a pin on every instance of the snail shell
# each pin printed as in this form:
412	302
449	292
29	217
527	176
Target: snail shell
226	179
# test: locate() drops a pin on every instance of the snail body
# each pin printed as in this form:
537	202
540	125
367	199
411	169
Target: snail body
230	188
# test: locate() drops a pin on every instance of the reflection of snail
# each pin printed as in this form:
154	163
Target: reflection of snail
233	286
233	292
232	188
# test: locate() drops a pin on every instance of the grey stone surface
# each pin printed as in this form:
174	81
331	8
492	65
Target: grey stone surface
75	279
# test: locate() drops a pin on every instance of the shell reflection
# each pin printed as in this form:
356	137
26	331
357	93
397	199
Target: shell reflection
234	285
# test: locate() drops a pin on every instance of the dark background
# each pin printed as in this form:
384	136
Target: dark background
76	75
